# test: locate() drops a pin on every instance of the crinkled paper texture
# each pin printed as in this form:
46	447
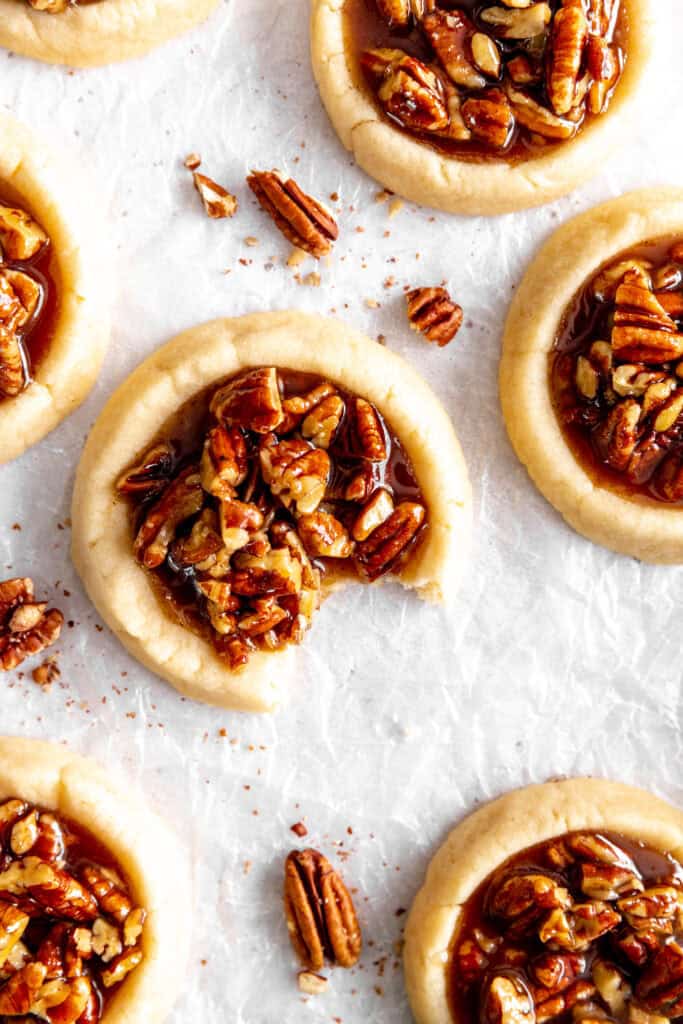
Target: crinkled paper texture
558	658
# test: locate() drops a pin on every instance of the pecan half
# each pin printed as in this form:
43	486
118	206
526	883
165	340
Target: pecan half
432	312
324	536
216	200
322	423
152	473
660	988
489	117
298	406
251	401
414	95
522	899
182	499
643	331
537	118
369	431
224	460
26	627
14	374
300	218
387	544
398	13
296	472
321	918
451	34
568	38
505	999
520	22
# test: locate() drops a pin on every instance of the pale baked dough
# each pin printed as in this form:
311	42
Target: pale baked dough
644	528
421	174
97	33
102	550
154	863
62	203
499	830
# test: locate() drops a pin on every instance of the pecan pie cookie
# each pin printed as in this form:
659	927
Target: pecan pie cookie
556	903
94	905
245	470
54	291
485	107
591	373
85	33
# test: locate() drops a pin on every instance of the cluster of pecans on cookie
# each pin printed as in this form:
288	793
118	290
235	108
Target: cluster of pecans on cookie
291	480
27	626
510	74
22	295
618	369
582	928
69	931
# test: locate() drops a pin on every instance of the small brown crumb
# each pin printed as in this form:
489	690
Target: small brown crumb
251	241
299	829
312	984
192	161
372	303
395	207
312	279
217	201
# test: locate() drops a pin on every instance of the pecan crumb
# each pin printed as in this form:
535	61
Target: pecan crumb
192	161
299	829
46	674
432	312
296	257
217	201
302	219
312	984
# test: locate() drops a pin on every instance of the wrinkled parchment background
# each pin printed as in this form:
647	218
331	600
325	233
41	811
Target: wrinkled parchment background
559	657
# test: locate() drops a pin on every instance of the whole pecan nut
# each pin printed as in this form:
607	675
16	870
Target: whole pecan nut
432	312
300	218
321	917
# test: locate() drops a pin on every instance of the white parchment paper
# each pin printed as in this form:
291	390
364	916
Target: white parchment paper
559	657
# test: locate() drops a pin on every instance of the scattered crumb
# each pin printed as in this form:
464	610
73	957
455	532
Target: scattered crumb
395	207
296	257
381	197
372	303
312	984
192	161
299	829
312	279
46	674
250	240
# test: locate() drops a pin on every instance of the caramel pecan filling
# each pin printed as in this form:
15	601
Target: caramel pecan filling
70	932
583	928
23	292
489	79
287	480
617	371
